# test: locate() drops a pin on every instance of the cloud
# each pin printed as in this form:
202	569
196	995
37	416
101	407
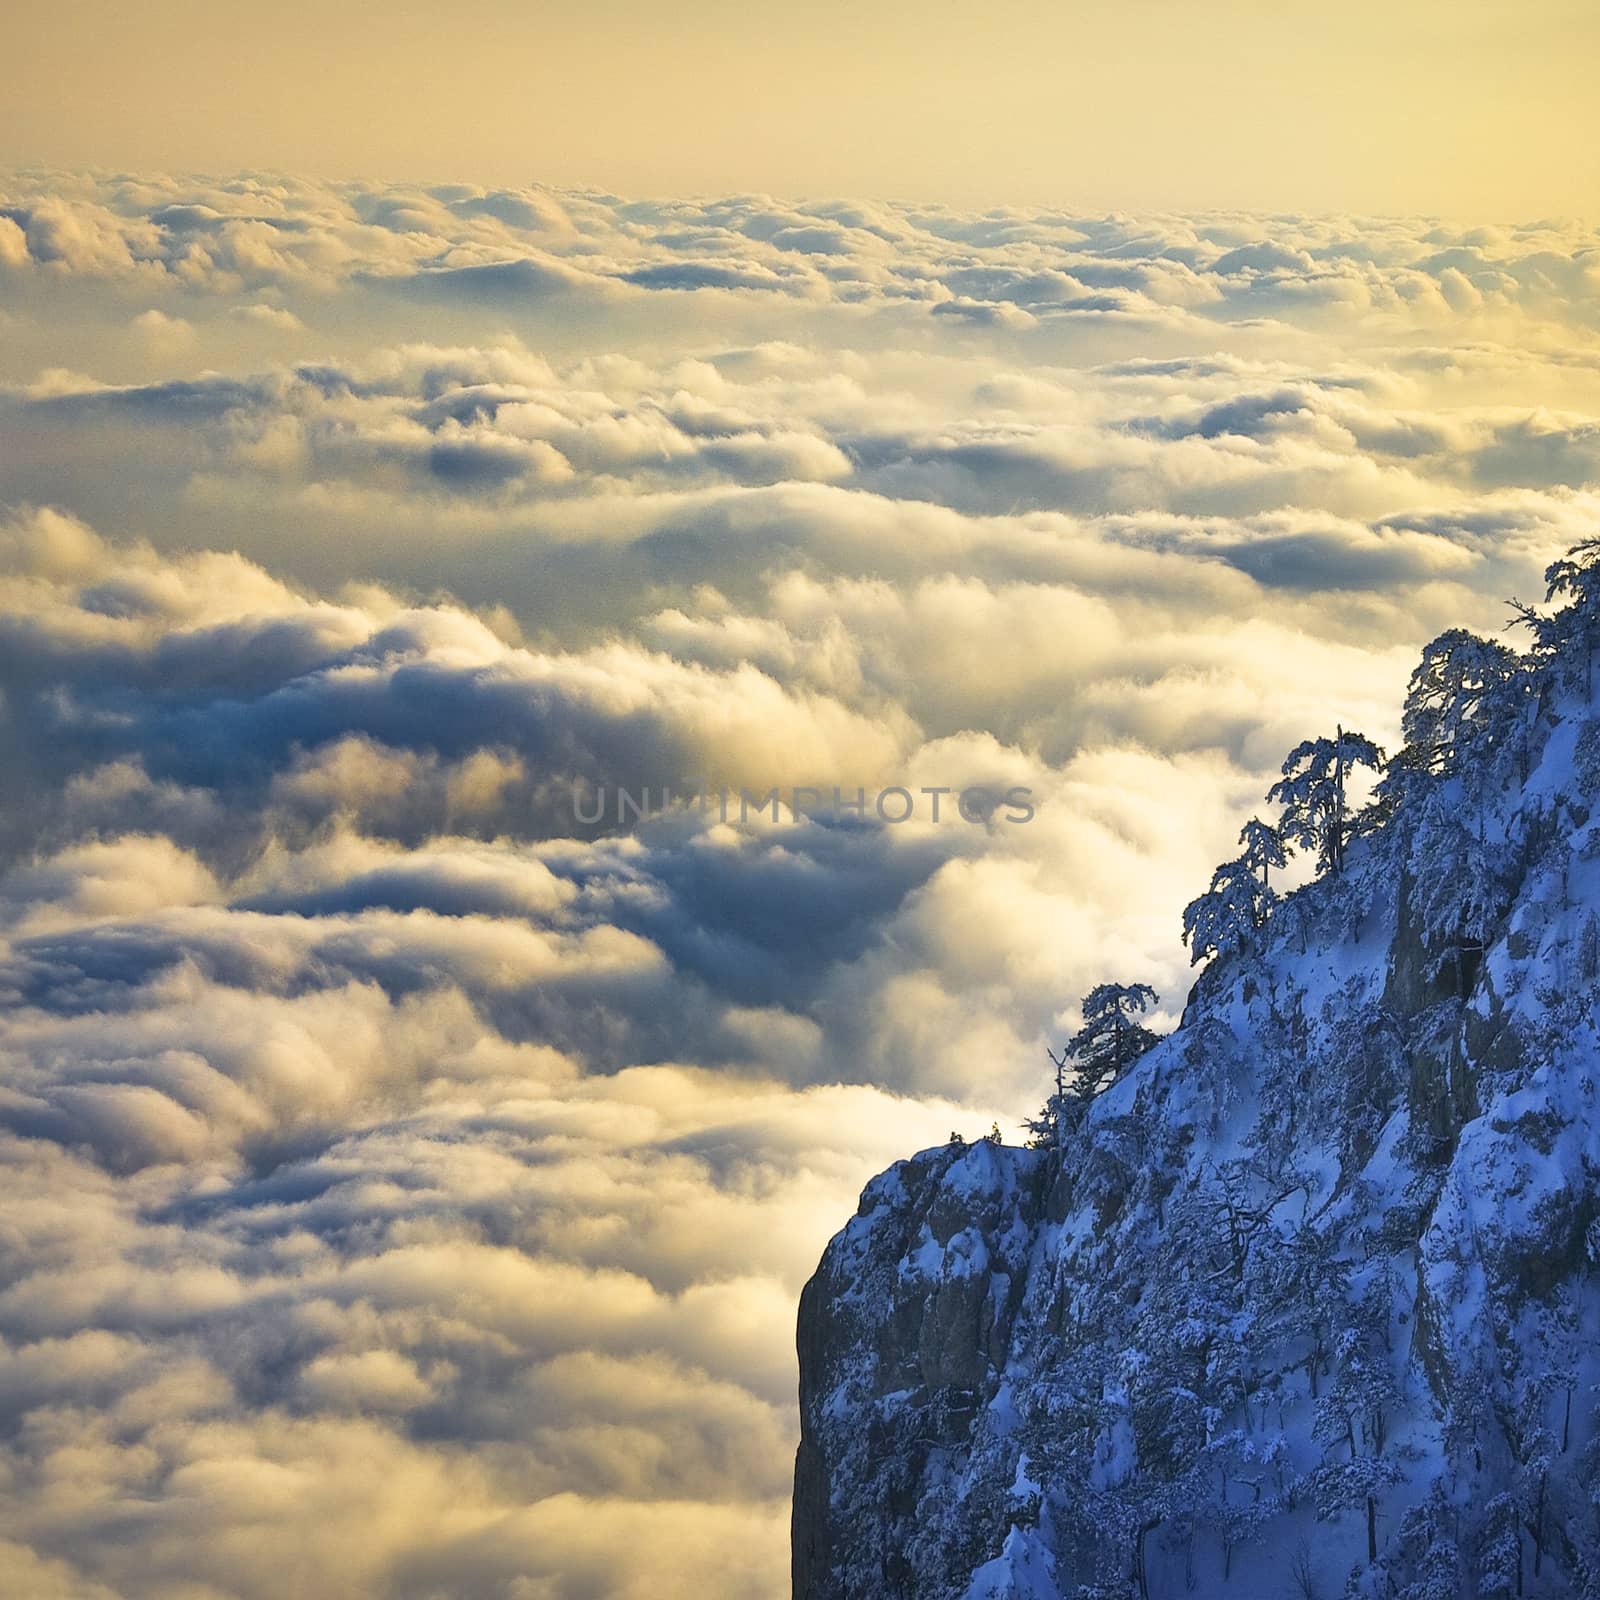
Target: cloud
164	335
511	247
278	318
492	282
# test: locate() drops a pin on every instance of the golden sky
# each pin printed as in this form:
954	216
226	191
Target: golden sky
1462	109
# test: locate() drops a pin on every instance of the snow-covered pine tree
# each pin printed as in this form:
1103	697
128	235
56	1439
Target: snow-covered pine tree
1265	849
1240	898
1569	637
1112	1037
1459	878
1313	793
1110	1040
1455	692
1426	1565
1222	920
1063	1107
1499	1563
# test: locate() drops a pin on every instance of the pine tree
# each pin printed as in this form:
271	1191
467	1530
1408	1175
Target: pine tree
1499	1551
1312	792
1569	636
1406	775
1110	1040
1358	1483
1579	576
1355	1412
1459	894
1428	1550
1533	1449
1264	848
1222	920
1457	689
1240	898
1468	1420
1308	1282
1062	1110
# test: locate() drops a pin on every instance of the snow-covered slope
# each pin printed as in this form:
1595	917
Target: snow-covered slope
1308	1303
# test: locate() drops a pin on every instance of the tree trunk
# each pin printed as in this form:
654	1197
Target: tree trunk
1338	800
1538	1525
1139	1568
1372	1530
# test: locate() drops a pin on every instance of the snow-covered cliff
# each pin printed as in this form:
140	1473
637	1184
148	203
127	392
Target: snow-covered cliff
1307	1302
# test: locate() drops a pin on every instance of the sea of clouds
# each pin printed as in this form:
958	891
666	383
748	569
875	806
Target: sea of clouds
407	1186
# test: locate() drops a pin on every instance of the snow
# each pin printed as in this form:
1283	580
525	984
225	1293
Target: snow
1025	1569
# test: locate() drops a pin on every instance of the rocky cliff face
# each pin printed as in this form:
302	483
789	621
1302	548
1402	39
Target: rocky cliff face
905	1334
1308	1303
